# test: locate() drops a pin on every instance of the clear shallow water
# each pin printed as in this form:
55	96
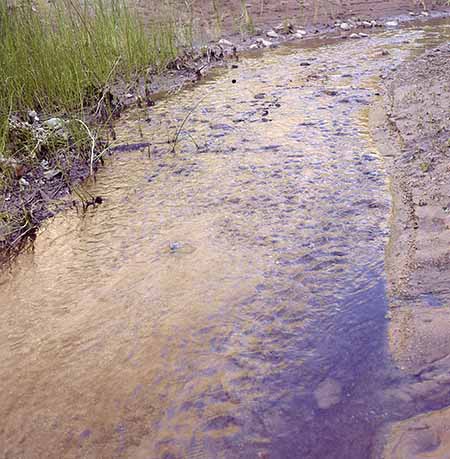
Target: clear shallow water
227	301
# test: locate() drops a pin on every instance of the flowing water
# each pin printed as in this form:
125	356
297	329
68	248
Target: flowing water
227	300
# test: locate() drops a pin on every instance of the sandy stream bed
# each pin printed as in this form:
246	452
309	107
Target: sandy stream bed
412	127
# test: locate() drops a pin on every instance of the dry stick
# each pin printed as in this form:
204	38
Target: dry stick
93	139
105	90
178	132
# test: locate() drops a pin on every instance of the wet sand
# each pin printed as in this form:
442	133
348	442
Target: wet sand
412	127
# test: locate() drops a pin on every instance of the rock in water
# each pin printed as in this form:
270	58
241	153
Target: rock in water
392	24
328	393
225	43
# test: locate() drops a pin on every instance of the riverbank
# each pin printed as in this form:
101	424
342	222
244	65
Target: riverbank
412	128
35	190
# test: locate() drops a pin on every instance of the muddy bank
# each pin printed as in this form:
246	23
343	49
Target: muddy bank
412	127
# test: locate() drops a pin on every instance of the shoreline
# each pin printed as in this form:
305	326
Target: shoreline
411	126
185	71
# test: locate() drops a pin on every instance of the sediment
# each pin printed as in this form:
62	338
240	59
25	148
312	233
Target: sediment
412	128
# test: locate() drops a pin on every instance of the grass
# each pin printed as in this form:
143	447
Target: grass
60	58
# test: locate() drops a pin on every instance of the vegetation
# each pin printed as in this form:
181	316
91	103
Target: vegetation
59	60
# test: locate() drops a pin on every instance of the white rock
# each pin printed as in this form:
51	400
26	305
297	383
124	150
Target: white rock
391	24
272	34
373	23
298	35
328	393
425	13
363	35
300	32
367	24
354	35
265	43
226	43
345	26
254	46
32	116
24	182
54	123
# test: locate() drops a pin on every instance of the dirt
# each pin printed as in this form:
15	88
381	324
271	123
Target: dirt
412	127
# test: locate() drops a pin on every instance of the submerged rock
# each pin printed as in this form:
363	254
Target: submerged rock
328	393
391	24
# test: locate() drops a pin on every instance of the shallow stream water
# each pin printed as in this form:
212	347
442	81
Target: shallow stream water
227	300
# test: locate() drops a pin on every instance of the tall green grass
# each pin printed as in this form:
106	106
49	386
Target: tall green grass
56	58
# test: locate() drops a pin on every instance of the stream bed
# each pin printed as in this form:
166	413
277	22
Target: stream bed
228	299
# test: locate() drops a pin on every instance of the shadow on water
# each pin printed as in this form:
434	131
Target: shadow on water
228	300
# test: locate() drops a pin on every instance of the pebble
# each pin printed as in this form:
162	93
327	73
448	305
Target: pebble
32	116
391	24
264	43
272	34
345	26
226	43
54	123
328	393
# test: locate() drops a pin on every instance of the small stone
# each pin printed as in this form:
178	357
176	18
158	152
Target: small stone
54	124
225	43
264	43
328	393
298	35
425	13
354	35
301	32
363	35
345	26
367	24
24	182
254	46
32	116
391	24
272	34
52	173
174	246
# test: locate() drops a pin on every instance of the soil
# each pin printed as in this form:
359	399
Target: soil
412	128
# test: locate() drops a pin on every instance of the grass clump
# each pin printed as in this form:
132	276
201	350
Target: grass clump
60	57
58	62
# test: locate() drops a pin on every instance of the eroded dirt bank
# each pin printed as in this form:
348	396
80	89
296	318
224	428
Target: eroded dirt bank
412	127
